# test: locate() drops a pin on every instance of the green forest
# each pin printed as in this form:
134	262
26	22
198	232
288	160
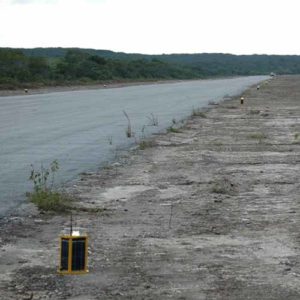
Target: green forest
38	67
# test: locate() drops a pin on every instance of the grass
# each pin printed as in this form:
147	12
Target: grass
198	113
146	144
257	136
44	196
50	200
107	166
173	130
296	138
254	112
217	143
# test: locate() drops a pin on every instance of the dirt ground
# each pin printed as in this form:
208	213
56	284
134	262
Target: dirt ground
210	212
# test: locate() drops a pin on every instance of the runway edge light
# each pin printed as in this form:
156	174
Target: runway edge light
73	253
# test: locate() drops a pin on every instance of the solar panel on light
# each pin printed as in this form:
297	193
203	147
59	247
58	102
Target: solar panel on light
73	254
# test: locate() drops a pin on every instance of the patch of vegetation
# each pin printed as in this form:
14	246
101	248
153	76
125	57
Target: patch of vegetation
173	130
217	143
44	196
144	144
254	112
257	136
296	138
107	166
198	113
51	201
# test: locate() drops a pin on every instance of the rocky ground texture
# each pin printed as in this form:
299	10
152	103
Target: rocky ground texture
210	211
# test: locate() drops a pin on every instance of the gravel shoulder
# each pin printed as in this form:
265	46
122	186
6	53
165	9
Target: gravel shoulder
210	212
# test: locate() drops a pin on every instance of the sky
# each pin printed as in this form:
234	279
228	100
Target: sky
154	26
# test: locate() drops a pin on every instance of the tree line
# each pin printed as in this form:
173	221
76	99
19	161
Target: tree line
62	66
77	67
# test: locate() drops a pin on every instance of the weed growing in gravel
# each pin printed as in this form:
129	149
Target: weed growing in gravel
43	195
173	129
198	113
257	136
110	140
254	112
144	144
297	138
217	142
50	201
153	120
106	165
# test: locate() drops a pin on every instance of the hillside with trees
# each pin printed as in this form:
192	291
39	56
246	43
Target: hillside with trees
66	66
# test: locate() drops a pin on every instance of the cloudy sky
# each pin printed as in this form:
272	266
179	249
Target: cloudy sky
154	26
